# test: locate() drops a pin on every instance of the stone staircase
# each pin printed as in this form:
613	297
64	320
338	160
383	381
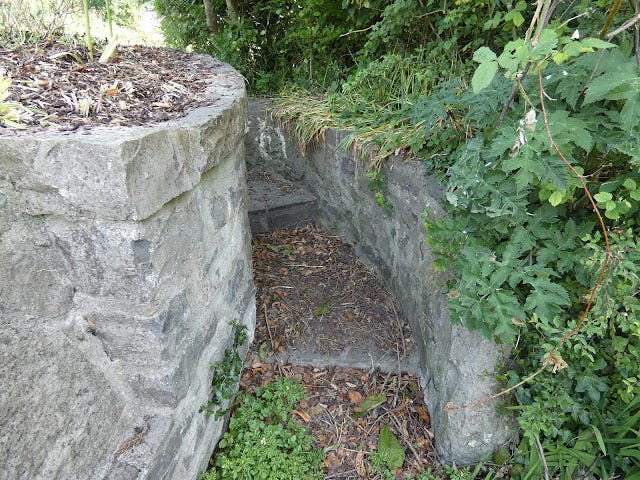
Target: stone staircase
275	202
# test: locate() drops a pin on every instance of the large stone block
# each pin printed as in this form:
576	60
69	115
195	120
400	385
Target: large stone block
125	255
455	364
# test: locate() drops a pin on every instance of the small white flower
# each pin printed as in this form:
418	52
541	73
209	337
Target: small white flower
530	120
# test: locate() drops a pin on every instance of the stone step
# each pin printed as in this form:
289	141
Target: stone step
275	202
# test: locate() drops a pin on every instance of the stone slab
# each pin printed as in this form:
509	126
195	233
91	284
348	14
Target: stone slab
276	203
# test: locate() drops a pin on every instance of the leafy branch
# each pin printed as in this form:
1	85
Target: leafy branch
544	206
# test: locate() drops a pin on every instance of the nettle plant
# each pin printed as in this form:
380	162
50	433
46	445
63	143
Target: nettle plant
542	240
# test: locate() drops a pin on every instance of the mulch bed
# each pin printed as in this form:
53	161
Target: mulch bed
62	89
301	271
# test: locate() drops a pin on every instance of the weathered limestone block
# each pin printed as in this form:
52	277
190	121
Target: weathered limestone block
454	361
124	256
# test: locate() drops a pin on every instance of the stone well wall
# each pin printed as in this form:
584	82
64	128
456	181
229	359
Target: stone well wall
453	360
124	256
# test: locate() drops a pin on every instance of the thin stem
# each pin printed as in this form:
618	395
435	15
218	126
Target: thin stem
612	14
501	393
87	27
542	458
603	227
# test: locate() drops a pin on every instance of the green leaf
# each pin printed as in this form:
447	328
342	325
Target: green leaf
602	85
484	54
596	43
507	61
521	6
483	76
599	439
629	184
630	113
390	449
369	403
560	57
603	197
546	298
612	213
322	309
517	19
546	44
557	197
566	128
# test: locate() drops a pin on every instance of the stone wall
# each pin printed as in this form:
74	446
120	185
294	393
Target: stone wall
453	360
125	254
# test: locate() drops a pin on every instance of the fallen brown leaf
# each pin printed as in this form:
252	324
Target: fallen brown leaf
355	397
303	415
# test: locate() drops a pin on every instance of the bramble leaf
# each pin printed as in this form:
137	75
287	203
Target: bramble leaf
606	83
483	55
546	44
483	76
630	113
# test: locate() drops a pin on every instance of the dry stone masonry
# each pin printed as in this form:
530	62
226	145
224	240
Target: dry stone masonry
124	256
453	361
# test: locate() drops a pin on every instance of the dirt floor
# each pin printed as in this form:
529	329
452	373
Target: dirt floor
314	296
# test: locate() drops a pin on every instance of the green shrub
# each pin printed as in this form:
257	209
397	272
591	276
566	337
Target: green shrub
526	245
273	42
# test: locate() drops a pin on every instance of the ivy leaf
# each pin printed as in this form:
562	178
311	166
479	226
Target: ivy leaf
484	75
390	449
